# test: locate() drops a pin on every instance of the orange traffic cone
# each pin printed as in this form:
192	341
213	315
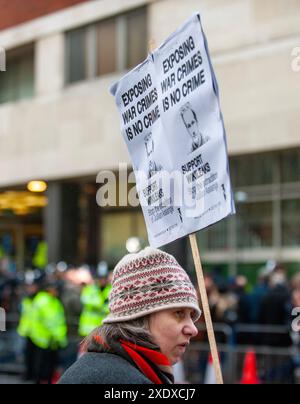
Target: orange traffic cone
250	369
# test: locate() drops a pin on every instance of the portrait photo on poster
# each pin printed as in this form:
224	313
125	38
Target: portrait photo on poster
190	121
153	166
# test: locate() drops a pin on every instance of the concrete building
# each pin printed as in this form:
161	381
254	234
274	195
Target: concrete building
58	123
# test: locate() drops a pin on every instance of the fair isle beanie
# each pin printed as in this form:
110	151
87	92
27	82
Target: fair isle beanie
148	282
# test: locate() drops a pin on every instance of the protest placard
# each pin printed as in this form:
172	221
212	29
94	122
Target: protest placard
173	127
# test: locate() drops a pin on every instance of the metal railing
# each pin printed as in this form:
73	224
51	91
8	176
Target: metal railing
275	364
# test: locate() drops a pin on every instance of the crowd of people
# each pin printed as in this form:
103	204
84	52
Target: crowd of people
270	302
261	316
54	308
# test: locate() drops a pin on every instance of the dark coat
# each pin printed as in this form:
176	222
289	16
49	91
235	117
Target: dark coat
103	368
275	310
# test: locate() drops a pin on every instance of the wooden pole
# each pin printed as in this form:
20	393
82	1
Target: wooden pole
205	307
151	44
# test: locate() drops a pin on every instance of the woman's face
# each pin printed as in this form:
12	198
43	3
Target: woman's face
172	330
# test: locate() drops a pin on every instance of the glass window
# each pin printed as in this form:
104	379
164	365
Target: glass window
216	236
99	49
17	82
256	169
254	225
290	166
107	47
8	87
291	223
26	79
136	37
76	55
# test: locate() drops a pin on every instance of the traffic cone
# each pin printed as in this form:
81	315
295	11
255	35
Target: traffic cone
210	375
249	375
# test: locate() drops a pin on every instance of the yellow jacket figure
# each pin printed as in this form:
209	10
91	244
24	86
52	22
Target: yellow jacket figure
95	308
49	329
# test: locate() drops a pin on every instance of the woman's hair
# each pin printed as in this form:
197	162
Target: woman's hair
136	331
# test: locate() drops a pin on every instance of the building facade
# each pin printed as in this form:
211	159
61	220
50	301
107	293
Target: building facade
59	123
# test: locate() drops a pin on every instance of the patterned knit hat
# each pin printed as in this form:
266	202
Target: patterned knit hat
147	282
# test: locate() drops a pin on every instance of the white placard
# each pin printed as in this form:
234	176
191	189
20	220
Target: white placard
173	127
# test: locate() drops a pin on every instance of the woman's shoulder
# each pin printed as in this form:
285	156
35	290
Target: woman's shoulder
102	368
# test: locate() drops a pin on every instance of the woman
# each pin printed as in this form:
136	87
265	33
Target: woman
153	306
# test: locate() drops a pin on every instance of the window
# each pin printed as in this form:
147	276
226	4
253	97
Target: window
17	82
136	23
290	166
256	169
76	57
291	223
108	46
216	237
255	227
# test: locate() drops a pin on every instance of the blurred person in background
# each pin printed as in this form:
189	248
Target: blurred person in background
32	287
296	308
296	332
258	293
9	289
240	290
70	298
280	268
224	304
94	300
71	286
48	332
275	310
295	282
40	258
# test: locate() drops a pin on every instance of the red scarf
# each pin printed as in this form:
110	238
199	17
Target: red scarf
139	355
153	364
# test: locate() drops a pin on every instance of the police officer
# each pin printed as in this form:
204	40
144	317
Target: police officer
94	299
32	286
49	331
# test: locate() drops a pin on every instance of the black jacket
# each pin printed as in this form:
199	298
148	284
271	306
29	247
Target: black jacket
103	368
275	310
